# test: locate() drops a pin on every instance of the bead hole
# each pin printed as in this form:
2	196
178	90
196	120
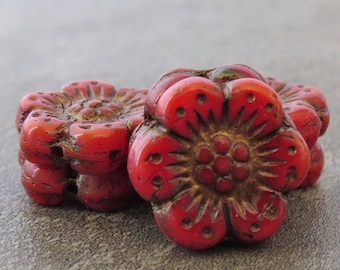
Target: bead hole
57	151
71	188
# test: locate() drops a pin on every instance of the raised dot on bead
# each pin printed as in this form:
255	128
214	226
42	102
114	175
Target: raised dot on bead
241	152
187	223
271	213
291	150
201	99
250	98
291	174
88	113
155	158
180	112
255	227
204	155
94	103
241	172
269	107
222	144
157	182
222	165
207	232
205	175
224	185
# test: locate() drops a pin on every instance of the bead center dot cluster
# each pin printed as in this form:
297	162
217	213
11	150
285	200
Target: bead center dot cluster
222	162
87	110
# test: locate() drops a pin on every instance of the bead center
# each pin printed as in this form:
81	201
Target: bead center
92	110
222	162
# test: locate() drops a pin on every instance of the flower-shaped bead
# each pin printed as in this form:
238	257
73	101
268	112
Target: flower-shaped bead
213	156
307	108
75	142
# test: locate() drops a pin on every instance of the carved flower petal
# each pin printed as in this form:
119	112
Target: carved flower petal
191	222
276	84
187	104
38	136
306	95
155	171
132	102
88	90
231	72
162	84
96	148
48	102
285	160
306	121
43	185
133	97
254	107
261	224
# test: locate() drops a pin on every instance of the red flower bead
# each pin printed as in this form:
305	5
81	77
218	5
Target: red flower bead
213	154
307	108
75	142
